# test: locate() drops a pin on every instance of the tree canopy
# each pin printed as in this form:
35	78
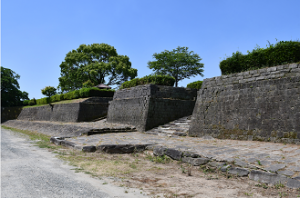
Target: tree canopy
179	63
97	63
10	93
49	91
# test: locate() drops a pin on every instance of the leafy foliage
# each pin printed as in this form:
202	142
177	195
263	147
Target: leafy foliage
195	85
97	63
151	79
10	93
25	102
179	63
282	52
82	93
88	84
49	91
32	102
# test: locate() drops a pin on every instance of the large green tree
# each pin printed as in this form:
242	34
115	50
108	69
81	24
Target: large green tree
98	63
179	63
10	93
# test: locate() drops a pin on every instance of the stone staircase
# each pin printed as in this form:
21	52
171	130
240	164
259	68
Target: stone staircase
178	127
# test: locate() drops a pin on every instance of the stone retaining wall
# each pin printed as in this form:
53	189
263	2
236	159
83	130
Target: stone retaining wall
261	104
148	106
10	113
90	109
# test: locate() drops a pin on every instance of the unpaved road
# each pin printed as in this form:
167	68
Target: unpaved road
29	171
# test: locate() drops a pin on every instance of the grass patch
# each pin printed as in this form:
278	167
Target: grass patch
41	140
59	102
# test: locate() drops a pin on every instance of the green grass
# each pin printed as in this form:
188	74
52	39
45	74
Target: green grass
59	102
42	140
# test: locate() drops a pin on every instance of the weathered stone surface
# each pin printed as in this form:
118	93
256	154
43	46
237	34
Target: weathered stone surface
125	148
297	178
275	167
293	183
68	144
240	163
195	161
189	154
240	172
225	168
269	178
216	164
261	106
286	172
174	154
89	109
148	106
56	140
89	148
159	151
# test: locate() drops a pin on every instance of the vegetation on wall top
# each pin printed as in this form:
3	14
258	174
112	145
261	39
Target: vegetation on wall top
195	85
151	79
282	52
81	93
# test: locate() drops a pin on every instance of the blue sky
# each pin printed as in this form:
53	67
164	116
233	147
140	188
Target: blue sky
36	35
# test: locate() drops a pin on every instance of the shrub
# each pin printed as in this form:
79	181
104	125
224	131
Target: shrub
32	102
282	52
25	102
42	101
56	98
82	93
195	85
151	79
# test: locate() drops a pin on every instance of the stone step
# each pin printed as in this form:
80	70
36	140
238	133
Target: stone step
178	127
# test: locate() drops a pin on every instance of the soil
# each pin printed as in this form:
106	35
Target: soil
167	178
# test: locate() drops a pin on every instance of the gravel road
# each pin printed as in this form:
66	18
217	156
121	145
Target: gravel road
29	171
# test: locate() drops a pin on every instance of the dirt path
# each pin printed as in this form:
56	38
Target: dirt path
29	171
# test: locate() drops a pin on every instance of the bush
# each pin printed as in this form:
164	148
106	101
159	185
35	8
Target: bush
82	93
32	102
151	79
195	85
42	101
25	102
282	52
56	98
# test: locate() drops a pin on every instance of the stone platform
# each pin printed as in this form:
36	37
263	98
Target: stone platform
261	161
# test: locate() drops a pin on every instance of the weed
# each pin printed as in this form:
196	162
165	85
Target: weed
258	162
282	194
248	194
159	159
132	165
279	185
265	186
182	169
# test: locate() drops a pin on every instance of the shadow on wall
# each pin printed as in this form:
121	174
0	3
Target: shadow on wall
10	113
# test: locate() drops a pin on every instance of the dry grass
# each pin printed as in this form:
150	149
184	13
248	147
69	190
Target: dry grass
162	176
